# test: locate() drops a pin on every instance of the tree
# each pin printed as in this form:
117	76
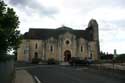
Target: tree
9	35
120	58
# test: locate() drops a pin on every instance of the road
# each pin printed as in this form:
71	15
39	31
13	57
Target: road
62	74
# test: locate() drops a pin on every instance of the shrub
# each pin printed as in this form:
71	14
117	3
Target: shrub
5	58
120	58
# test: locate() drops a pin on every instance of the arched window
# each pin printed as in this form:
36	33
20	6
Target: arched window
51	48
81	48
90	56
36	46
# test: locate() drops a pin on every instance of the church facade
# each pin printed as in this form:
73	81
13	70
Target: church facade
60	44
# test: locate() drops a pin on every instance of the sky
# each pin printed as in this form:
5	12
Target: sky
110	15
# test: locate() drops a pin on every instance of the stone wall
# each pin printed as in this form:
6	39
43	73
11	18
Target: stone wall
93	50
7	72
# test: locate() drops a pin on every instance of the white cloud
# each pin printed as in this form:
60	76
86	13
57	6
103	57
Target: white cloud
112	39
109	14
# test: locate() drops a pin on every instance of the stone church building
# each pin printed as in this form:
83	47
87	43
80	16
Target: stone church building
60	44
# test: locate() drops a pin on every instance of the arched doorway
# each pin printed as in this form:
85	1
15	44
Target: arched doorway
35	55
67	55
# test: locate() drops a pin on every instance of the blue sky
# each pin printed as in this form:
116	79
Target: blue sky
110	15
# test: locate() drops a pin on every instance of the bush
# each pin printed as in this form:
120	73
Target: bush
52	61
4	58
120	58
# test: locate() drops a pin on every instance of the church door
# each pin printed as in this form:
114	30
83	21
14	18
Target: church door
67	55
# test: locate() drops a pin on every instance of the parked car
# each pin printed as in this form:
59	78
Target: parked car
90	61
35	61
77	61
52	61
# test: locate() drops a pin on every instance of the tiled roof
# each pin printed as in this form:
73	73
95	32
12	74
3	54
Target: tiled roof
43	34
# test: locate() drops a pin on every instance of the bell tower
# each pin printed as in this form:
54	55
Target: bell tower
93	25
94	34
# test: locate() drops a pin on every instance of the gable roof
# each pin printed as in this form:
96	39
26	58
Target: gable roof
43	34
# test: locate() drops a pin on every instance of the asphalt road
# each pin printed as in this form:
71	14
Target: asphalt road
62	74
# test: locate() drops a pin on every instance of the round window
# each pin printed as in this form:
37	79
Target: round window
67	42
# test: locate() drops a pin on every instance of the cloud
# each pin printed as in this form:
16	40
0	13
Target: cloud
25	3
109	14
112	40
119	24
33	5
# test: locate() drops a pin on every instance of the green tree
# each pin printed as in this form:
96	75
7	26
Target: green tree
120	58
9	35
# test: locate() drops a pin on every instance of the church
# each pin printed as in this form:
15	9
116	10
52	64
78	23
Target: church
60	44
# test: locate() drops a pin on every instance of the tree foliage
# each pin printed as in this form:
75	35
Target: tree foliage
9	35
120	58
106	56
